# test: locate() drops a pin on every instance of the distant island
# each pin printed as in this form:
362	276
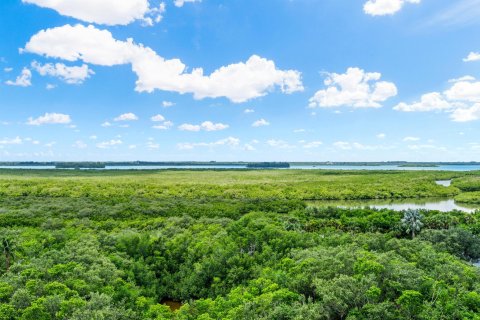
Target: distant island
80	165
230	165
265	165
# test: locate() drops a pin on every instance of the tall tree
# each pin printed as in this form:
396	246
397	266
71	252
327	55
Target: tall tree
412	221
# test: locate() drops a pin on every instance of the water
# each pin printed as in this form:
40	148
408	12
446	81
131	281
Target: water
445	183
390	167
292	167
442	205
174	167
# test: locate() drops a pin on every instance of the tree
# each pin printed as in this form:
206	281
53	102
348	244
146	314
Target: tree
412	221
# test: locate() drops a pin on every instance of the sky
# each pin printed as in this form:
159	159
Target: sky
239	80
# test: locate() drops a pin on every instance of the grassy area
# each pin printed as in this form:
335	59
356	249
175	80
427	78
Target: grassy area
284	184
231	245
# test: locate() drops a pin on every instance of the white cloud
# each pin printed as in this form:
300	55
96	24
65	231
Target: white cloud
189	127
260	123
109	12
355	88
464	90
93	137
342	145
238	82
164	126
109	143
461	101
106	124
433	101
50	118
472	56
71	75
426	147
206	126
229	142
152	145
411	139
23	80
466	114
50	86
210	126
167	104
180	3
299	130
158	118
16	140
79	144
385	7
126	117
381	136
312	144
8	69
248	111
281	144
249	147
464	78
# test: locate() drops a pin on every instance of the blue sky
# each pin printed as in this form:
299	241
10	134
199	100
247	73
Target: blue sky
273	80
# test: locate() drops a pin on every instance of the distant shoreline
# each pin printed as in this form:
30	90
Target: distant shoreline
103	164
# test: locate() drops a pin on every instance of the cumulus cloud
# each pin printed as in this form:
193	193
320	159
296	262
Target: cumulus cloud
466	114
71	75
385	7
464	78
260	123
312	144
464	90
180	3
108	12
16	140
411	139
461	101
433	101
229	142
248	111
50	118
342	145
164	126
281	144
167	104
23	80
472	56
109	143
79	144
418	147
158	118
355	88
381	136
238	82
126	117
205	126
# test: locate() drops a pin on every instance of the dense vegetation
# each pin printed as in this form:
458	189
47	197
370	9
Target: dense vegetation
232	245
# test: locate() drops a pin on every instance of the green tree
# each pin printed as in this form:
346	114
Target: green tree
412	221
411	303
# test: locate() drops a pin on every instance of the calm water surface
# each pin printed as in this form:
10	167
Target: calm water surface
443	205
293	167
445	183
